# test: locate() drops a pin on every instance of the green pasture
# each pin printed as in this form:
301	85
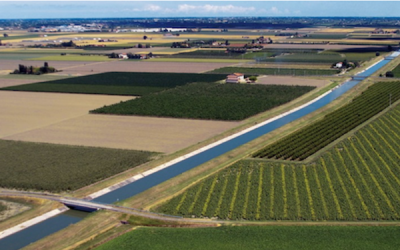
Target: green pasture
86	58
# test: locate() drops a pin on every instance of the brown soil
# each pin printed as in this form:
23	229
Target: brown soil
128	132
290	80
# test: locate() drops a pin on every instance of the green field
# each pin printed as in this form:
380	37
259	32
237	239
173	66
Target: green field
315	57
259	237
211	101
309	140
18	56
396	71
200	60
274	71
118	83
356	180
55	168
86	58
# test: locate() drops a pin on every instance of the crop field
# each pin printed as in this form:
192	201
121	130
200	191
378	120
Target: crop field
58	168
396	71
258	238
165	135
92	58
199	60
115	83
274	71
211	101
292	80
307	141
27	111
358	179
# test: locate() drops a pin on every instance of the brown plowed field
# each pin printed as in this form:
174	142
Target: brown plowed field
64	119
289	80
25	111
128	132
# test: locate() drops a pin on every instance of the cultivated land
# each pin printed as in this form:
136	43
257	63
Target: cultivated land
355	180
290	80
115	83
258	237
58	168
27	111
135	132
275	71
210	101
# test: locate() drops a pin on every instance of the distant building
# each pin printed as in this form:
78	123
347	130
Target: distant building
235	78
339	65
123	56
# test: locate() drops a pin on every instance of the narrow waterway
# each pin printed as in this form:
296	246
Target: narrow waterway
52	225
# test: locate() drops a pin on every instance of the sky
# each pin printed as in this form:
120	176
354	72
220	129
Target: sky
140	9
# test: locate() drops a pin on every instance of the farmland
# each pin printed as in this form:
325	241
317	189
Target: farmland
3	207
259	237
209	101
396	71
59	168
355	180
307	141
114	83
275	71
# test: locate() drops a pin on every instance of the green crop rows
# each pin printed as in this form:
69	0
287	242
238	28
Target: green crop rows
396	71
259	238
356	180
307	141
57	168
209	101
118	83
275	71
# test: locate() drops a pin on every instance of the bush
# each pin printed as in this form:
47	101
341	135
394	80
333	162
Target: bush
389	74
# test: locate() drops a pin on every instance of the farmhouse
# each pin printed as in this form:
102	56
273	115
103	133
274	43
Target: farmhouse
123	56
235	78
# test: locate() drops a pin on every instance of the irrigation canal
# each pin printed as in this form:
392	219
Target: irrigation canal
54	224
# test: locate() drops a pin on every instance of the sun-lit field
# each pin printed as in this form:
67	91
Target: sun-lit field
92	58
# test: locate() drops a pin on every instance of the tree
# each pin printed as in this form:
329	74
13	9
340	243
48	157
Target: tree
377	54
389	74
5	35
226	42
140	45
389	48
150	55
144	37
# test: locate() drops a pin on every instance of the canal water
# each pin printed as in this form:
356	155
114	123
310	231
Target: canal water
52	225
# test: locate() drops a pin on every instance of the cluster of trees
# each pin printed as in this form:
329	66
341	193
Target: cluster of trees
180	45
31	70
346	64
130	55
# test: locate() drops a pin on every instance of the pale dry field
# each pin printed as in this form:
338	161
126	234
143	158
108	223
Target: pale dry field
316	46
141	66
14	82
165	135
25	111
64	119
290	80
